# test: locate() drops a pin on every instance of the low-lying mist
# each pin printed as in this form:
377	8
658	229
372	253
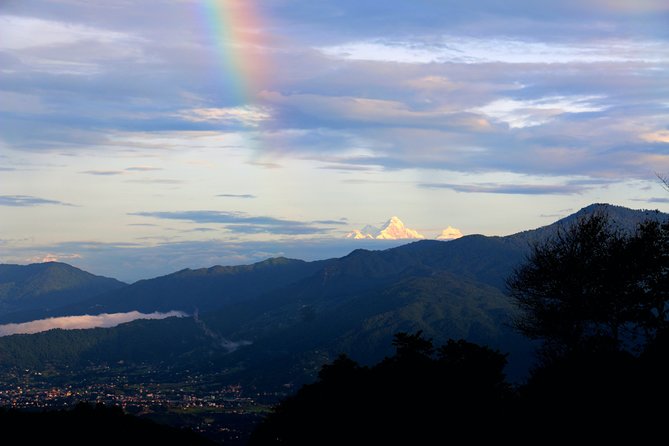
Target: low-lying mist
104	320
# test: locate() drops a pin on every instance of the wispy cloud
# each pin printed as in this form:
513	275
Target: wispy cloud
330	222
529	113
246	115
128	170
28	200
265	164
510	189
155	181
105	320
652	200
142	169
470	50
202	229
103	172
236	196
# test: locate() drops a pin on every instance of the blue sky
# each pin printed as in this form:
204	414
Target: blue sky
141	137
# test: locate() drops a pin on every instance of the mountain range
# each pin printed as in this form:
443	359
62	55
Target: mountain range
393	229
277	321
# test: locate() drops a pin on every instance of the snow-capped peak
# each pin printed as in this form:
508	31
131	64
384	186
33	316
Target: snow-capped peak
450	233
393	229
358	235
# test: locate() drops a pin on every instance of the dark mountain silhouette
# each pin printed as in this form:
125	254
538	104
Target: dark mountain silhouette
622	218
46	286
288	317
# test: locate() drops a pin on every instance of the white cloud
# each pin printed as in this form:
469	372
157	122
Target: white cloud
534	112
63	47
249	115
479	50
20	33
82	322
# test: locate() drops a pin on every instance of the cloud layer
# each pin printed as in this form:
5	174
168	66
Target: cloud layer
164	131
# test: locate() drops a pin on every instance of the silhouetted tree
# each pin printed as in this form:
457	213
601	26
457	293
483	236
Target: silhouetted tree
593	288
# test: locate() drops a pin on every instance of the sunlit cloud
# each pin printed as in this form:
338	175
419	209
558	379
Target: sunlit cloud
379	111
657	136
53	258
105	320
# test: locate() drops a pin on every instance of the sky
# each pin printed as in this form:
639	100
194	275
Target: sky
138	138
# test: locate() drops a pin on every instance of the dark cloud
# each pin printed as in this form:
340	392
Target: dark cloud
27	200
142	169
652	200
509	189
202	229
239	222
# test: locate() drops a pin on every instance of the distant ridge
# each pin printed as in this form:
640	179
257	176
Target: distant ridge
45	286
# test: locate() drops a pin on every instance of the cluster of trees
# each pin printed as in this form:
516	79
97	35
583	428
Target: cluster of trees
404	398
595	297
594	288
88	424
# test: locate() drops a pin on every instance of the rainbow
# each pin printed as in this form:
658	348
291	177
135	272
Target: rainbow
235	28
